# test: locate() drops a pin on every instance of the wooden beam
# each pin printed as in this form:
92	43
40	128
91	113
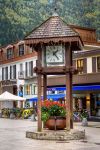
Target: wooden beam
57	70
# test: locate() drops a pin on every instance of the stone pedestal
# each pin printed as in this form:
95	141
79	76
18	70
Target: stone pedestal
56	135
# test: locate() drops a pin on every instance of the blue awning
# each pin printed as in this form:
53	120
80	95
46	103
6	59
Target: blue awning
87	87
54	97
75	88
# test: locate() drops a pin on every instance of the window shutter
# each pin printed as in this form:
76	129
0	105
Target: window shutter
2	73
26	69
10	72
98	64
84	65
31	68
14	71
93	64
6	74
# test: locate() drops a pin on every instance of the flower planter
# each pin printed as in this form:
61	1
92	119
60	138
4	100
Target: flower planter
56	123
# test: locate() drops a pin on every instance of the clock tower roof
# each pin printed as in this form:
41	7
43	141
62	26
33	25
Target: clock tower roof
53	29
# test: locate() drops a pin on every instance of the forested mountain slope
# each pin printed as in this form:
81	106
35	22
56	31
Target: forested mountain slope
18	17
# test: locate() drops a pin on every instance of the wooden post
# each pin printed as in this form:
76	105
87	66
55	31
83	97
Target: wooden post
45	87
69	107
71	103
39	78
39	104
67	104
69	100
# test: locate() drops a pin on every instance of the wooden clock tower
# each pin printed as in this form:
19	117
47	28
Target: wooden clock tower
54	42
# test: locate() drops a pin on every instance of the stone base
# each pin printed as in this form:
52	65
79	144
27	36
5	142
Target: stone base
56	135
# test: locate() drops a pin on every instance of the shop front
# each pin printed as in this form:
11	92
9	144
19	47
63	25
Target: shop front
84	97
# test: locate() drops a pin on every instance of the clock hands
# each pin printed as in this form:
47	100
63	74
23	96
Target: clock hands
57	57
54	54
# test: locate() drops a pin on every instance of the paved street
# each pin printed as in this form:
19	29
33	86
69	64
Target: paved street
12	137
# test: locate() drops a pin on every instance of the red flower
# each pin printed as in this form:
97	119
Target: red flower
48	104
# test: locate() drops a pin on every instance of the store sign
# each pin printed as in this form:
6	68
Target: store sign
8	83
51	89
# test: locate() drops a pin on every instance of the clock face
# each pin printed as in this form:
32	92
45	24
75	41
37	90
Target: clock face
54	54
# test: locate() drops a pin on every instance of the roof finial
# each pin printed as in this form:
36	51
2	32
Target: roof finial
55	9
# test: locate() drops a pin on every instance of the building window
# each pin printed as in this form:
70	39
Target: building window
26	69
27	89
29	69
21	50
21	67
5	73
80	66
98	64
13	72
2	73
9	53
34	89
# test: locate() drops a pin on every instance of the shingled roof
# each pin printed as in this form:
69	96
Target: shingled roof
53	28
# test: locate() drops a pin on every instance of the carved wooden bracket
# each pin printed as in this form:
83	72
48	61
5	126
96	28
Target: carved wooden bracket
57	70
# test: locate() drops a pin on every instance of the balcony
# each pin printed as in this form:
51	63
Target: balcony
22	75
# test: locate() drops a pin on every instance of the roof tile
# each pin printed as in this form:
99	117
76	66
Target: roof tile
53	27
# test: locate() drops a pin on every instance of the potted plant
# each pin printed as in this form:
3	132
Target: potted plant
53	115
5	112
84	115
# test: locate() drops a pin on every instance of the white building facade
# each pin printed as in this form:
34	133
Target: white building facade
16	70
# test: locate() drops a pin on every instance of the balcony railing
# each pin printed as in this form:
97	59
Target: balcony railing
23	75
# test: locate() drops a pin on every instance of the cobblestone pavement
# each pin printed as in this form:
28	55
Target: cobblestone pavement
12	137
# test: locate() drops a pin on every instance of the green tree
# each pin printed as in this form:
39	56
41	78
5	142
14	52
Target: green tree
18	17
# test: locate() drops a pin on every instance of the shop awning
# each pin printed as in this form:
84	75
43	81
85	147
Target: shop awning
75	88
6	96
54	97
87	87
